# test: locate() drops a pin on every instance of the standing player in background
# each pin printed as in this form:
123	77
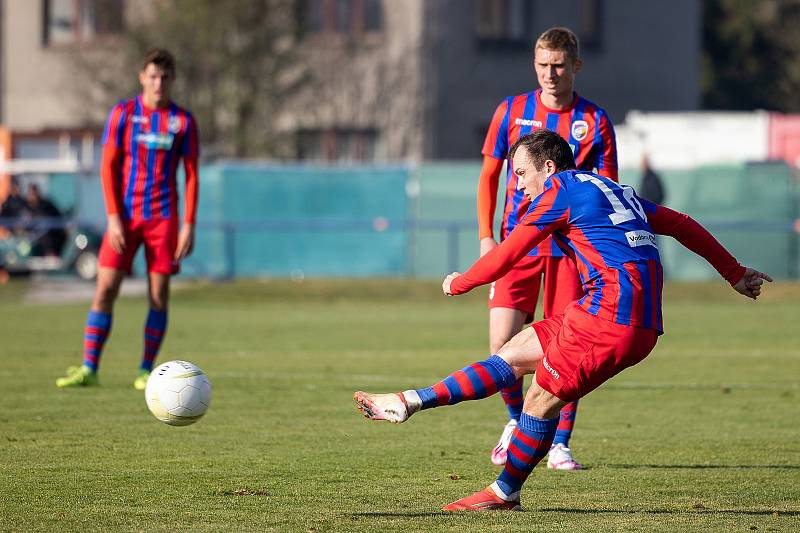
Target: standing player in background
144	139
512	299
609	233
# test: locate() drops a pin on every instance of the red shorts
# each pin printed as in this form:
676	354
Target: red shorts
519	288
581	351
160	239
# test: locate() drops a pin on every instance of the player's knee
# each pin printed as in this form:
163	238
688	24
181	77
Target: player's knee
541	403
158	302
104	296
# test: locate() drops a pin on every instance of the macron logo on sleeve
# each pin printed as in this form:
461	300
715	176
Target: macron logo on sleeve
640	238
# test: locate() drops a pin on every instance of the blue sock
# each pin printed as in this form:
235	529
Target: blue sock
473	382
154	330
565	424
512	396
530	442
95	333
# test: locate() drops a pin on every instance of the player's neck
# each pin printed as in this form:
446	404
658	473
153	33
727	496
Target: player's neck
557	102
152	103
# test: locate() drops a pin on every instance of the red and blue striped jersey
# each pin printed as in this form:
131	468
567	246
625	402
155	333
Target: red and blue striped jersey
584	125
151	142
609	233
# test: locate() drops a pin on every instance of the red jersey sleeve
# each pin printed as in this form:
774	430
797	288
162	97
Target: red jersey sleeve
548	212
192	188
191	145
496	142
606	161
695	237
114	132
487	195
110	178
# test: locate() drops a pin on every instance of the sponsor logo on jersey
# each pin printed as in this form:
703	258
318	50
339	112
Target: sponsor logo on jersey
139	119
156	141
640	238
580	128
528	122
174	125
550	369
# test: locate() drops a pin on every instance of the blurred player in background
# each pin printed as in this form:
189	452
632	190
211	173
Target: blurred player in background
144	139
512	299
608	233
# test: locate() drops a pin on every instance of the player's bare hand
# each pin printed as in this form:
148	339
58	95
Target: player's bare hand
447	281
116	233
487	245
185	242
751	282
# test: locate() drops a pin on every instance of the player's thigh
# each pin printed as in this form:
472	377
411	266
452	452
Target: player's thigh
525	350
517	291
504	324
109	258
562	285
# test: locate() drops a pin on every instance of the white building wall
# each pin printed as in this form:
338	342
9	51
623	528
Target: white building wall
685	140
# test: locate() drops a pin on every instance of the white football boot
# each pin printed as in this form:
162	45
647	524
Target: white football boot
500	452
395	407
560	458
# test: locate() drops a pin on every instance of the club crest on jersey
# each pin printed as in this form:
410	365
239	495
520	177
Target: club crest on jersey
174	124
580	128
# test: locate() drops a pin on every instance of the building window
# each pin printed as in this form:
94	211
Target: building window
503	23
590	24
346	17
337	145
76	21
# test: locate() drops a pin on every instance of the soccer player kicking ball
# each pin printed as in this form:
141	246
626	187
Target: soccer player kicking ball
144	139
512	298
609	233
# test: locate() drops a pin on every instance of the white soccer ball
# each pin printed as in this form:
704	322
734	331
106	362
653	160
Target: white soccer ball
178	393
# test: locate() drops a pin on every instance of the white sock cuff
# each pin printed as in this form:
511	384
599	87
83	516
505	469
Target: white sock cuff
413	399
507	497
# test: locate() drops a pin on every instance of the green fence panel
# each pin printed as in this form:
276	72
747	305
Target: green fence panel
749	208
267	220
447	237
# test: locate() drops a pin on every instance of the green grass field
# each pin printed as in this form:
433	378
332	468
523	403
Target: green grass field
703	435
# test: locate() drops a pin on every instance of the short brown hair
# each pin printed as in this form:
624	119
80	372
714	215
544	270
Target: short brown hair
542	145
160	58
559	38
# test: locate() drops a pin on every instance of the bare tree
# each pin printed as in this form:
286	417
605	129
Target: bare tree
236	67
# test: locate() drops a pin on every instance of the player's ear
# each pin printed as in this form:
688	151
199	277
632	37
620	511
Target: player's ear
550	167
577	66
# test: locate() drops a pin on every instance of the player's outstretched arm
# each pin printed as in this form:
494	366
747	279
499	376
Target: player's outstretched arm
751	282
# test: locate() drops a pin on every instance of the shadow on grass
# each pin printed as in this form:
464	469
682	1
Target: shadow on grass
704	511
669	511
699	467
